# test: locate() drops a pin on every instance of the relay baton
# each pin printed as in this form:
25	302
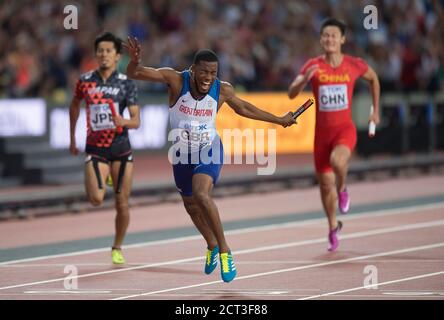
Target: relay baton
302	108
119	129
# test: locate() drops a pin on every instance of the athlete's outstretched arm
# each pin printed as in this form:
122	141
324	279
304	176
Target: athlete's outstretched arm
375	90
301	81
246	109
74	111
136	71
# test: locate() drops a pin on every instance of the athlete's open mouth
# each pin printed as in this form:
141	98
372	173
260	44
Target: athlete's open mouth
330	45
205	86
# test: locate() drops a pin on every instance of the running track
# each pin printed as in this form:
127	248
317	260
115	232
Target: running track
395	229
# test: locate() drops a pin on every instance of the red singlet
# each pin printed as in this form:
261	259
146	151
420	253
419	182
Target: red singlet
333	91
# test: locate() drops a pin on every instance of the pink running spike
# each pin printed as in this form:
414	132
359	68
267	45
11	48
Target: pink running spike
344	201
333	237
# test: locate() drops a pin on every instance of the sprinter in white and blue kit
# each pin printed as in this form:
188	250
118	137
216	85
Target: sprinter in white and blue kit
195	96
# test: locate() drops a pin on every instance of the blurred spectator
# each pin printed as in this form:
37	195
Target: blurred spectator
261	44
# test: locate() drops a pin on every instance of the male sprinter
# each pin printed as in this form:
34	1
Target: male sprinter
108	149
332	77
195	96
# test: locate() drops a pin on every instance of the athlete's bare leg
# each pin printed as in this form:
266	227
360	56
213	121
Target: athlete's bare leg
328	196
94	194
199	220
339	159
122	200
202	187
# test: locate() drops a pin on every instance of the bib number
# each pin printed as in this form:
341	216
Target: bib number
101	117
195	134
333	97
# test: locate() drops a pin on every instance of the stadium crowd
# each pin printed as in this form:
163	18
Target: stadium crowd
261	44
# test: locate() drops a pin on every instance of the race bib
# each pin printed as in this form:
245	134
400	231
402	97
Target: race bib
333	97
195	134
101	117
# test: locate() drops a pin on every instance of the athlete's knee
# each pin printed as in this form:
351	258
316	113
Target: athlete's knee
122	204
191	209
122	207
339	160
326	185
96	199
201	196
188	206
188	203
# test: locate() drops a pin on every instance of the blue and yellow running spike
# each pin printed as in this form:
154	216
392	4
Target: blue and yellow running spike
211	260
227	267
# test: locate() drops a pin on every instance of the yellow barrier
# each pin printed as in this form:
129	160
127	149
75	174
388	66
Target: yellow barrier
296	139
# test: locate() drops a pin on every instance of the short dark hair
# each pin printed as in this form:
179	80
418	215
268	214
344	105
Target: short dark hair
108	36
334	22
205	55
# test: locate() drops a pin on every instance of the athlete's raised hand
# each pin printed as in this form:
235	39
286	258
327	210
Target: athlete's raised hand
134	49
310	72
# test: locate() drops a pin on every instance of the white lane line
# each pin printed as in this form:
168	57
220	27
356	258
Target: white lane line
243	262
279	271
376	284
246	251
51	292
58	265
275	226
410	293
